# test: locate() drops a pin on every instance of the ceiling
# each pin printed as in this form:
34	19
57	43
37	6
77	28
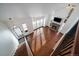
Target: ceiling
23	10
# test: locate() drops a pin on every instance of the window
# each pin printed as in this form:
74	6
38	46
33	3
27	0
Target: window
17	30
38	22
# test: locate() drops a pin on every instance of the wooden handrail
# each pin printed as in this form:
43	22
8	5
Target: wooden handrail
70	43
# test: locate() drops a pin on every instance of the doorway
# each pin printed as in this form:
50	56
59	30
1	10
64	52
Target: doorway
38	22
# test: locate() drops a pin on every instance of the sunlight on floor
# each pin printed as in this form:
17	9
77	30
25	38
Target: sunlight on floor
38	40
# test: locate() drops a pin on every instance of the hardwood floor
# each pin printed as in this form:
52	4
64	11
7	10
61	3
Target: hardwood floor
21	51
42	41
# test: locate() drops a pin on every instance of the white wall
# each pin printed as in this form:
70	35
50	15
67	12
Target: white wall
71	21
8	42
20	13
48	18
63	14
19	21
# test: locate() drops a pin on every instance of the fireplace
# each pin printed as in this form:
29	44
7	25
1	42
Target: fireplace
54	26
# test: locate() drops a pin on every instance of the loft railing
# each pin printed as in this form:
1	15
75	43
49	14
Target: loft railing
69	44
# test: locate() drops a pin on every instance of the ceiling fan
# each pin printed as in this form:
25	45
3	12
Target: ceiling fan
71	8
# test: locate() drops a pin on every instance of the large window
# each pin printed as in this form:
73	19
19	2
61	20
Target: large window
17	31
38	23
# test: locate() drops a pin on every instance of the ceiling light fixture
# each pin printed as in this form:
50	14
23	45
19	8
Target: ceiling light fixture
70	6
10	18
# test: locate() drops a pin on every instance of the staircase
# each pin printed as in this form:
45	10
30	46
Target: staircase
70	43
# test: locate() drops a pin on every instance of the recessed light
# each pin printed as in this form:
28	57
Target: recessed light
10	18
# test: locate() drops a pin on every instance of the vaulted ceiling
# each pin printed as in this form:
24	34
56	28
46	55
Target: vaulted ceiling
23	10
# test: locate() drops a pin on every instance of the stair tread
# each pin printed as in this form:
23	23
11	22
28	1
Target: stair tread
65	52
66	48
